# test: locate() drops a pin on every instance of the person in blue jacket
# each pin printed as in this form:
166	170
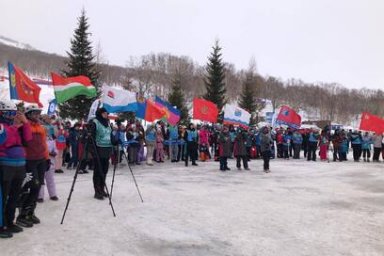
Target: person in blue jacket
366	146
343	147
313	143
297	141
356	142
287	138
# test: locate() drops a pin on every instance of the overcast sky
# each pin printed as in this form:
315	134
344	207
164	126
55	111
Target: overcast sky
315	40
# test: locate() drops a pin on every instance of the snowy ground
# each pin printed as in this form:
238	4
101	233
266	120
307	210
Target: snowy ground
301	208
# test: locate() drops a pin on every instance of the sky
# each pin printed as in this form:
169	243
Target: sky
338	41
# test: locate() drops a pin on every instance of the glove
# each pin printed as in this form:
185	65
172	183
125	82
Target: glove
28	178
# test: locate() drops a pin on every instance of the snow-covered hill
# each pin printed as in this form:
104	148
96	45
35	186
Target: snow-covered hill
14	43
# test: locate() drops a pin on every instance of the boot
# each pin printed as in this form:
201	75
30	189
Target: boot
4	233
99	193
14	228
23	221
33	218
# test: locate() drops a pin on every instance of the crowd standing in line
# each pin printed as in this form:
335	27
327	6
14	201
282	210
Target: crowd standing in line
33	147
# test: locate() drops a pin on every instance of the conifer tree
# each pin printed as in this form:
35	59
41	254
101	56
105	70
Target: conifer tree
176	98
214	80
250	91
81	61
247	96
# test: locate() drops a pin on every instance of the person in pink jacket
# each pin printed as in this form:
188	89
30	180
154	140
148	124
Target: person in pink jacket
12	164
204	143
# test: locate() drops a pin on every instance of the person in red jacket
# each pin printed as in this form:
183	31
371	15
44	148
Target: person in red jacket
37	159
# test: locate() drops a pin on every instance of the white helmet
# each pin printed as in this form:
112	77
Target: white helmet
32	107
7	105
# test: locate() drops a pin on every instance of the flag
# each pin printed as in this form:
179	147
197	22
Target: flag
92	111
372	123
52	107
153	111
70	87
21	87
236	115
118	101
141	108
172	115
289	117
205	110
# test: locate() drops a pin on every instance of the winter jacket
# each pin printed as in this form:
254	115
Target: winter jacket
37	148
191	136
266	142
366	142
356	139
204	137
287	140
343	146
297	138
377	140
12	152
150	136
240	145
173	133
224	145
313	137
61	137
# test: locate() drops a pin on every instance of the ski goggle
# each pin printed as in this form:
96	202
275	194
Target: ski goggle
10	113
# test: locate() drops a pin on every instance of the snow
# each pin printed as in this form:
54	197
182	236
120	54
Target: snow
300	208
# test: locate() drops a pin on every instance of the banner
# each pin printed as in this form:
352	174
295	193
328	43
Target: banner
235	115
52	107
205	110
92	111
289	117
118	101
371	123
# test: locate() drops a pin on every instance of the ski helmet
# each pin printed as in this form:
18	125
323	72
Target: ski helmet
32	107
7	105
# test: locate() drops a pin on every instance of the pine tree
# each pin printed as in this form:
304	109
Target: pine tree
250	92
176	98
247	99
81	62
214	82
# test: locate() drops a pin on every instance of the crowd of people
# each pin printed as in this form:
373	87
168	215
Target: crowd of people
33	147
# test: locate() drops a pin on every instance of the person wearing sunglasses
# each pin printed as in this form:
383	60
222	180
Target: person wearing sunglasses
12	164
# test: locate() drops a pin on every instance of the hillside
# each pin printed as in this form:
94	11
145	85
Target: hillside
153	74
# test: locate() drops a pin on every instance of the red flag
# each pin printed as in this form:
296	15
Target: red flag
153	112
21	87
205	110
372	123
289	117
